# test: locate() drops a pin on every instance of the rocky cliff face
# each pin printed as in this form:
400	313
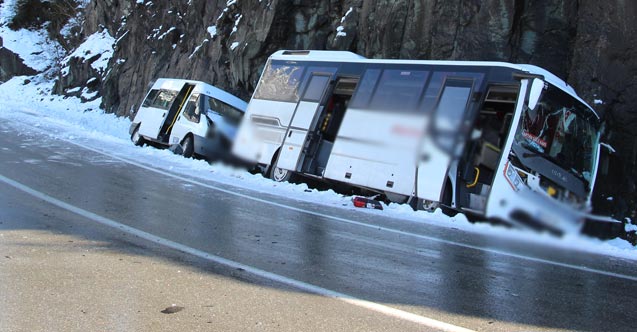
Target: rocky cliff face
589	43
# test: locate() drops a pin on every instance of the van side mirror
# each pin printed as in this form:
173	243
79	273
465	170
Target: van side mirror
537	86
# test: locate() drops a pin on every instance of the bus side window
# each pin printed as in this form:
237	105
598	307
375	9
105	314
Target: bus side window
363	94
150	98
399	90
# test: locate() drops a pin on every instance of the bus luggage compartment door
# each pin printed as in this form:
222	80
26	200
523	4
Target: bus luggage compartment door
303	121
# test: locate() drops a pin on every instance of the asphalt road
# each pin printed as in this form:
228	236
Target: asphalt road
266	258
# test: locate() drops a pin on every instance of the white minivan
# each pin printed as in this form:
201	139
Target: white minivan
190	117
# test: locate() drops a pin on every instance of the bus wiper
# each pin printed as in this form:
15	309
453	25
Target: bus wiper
531	154
580	176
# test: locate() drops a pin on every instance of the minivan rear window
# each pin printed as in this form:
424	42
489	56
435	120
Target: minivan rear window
161	99
150	98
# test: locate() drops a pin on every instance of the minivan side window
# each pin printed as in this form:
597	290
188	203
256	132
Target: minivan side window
192	111
230	114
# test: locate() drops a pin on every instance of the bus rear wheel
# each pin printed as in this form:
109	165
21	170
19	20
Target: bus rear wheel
445	205
279	174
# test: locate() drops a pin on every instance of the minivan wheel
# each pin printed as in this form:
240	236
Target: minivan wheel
136	138
187	147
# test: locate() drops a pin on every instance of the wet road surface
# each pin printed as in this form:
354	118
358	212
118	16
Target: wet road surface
473	281
60	273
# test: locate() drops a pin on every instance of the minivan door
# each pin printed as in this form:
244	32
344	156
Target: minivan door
304	120
174	112
188	121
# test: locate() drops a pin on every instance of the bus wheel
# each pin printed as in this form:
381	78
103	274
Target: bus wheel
280	174
136	138
445	205
187	147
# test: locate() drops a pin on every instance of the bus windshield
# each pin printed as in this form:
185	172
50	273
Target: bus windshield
562	130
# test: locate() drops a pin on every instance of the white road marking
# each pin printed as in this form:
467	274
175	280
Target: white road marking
380	308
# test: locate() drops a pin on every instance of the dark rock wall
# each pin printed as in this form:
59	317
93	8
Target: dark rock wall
589	43
604	66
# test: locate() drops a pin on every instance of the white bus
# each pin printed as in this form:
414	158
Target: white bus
196	117
489	139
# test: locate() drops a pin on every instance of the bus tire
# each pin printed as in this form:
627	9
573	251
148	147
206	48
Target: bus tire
279	174
445	205
136	138
187	147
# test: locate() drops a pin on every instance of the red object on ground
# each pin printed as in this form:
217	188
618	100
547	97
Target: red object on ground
362	202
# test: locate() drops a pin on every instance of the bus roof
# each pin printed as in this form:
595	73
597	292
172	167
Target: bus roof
344	56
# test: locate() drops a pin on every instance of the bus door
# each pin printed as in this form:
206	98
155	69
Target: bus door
188	121
444	140
174	111
304	120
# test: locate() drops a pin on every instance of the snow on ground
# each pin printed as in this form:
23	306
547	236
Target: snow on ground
100	45
34	47
68	119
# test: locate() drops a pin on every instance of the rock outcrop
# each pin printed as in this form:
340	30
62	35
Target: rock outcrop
12	65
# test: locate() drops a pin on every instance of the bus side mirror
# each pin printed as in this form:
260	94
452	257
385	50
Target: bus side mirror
607	147
537	86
